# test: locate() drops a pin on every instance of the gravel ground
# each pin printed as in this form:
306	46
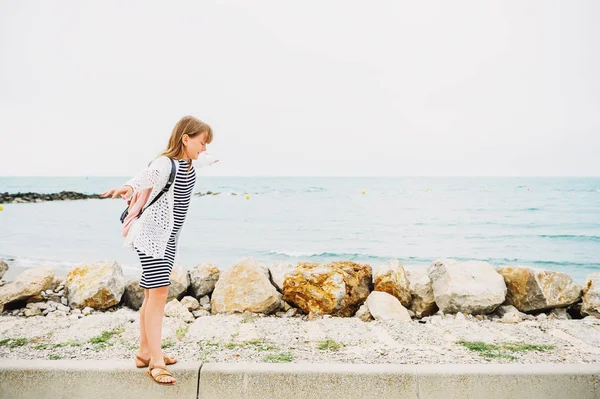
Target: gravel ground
258	338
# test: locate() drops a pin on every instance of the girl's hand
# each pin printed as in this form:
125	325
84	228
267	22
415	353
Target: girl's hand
124	191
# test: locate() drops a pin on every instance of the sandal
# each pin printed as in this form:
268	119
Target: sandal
160	375
167	359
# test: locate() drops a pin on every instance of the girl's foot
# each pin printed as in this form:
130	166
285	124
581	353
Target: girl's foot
144	360
160	374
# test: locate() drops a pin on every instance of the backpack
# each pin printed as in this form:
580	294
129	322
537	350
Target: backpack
138	200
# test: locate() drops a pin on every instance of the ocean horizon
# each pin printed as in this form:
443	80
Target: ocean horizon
548	223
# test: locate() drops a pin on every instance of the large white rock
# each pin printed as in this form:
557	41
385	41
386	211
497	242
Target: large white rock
99	286
245	287
472	287
279	271
29	283
203	278
180	282
384	306
423	301
591	296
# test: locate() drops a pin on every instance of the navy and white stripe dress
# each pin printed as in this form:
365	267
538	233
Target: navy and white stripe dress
156	272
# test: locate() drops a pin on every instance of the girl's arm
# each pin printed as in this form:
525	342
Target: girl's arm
157	173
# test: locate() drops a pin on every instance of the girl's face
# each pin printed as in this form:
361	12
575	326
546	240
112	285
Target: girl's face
194	146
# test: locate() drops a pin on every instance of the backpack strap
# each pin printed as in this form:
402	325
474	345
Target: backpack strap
165	189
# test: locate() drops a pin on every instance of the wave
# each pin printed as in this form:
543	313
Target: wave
341	255
571	237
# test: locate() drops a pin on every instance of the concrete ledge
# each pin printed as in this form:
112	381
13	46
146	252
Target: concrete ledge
115	379
102	379
384	381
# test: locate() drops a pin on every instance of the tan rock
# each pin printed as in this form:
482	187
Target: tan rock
391	278
176	309
203	278
472	287
337	288
190	303
383	306
29	283
133	297
533	290
591	296
363	313
3	268
245	287
99	286
180	282
423	301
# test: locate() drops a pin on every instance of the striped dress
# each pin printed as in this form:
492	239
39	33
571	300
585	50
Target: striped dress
156	272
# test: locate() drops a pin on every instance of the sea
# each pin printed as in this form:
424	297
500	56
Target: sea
546	223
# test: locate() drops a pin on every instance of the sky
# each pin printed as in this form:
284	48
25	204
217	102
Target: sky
312	88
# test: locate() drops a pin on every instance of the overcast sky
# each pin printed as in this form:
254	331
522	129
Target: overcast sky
308	88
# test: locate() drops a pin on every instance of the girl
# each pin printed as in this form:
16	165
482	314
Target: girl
155	234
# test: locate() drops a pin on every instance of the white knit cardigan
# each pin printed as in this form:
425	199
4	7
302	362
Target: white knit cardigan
150	233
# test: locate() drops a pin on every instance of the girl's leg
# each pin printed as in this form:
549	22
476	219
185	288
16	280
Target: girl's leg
144	351
154	312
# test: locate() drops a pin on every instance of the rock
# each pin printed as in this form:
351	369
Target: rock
205	302
245	287
291	312
57	283
29	283
591	296
504	309
391	278
62	308
511	318
174	308
541	316
533	290
3	268
33	312
278	272
190	303
203	278
87	311
133	297
64	301
384	306
437	319
423	301
363	313
336	288
98	286
559	314
180	282
460	316
200	313
74	317
472	287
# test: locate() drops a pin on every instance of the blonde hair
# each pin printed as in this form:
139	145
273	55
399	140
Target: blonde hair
191	126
